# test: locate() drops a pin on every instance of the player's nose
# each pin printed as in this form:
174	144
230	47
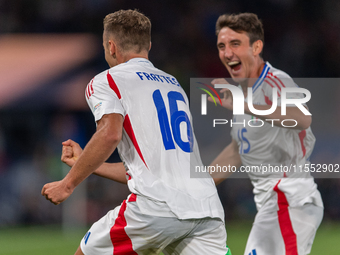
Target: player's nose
228	53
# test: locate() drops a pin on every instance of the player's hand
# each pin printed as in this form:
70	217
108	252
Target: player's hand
70	152
56	192
227	99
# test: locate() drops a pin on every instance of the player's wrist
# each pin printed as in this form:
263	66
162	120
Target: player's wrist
69	185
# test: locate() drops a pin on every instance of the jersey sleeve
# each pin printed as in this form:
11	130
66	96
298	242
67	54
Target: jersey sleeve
279	81
102	99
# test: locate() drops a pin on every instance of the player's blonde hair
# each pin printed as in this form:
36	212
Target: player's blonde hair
243	22
130	28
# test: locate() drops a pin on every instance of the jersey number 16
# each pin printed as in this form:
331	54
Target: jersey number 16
176	118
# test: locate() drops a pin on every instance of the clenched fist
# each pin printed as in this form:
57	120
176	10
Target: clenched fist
56	192
70	152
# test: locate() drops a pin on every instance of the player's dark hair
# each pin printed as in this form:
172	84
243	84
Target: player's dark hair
130	28
243	22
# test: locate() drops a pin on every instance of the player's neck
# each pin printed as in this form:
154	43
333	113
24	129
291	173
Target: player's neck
257	70
260	69
126	57
255	74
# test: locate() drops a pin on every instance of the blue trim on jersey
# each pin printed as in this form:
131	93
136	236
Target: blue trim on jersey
261	78
86	237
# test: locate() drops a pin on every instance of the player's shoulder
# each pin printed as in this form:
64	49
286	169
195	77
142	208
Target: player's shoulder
102	75
111	73
278	78
100	79
272	71
98	84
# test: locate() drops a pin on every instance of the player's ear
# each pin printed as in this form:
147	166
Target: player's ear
112	48
150	46
257	47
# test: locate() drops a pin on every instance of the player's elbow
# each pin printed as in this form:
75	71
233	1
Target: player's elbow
109	137
113	137
305	122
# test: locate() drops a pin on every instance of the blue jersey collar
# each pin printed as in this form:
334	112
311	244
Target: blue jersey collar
262	76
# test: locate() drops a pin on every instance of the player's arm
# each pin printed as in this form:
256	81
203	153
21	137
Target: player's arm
113	171
229	156
303	121
97	151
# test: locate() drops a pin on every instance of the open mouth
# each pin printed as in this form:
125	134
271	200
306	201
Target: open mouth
235	65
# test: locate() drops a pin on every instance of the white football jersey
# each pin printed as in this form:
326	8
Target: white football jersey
158	144
261	145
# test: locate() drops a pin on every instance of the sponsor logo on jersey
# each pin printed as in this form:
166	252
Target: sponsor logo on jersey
253	252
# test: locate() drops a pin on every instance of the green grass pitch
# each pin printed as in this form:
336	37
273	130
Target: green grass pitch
52	241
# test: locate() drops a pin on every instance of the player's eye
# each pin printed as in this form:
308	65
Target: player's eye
220	46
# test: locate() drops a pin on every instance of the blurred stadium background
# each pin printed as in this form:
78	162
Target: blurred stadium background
49	51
